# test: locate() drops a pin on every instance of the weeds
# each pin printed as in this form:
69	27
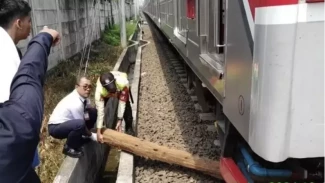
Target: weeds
112	36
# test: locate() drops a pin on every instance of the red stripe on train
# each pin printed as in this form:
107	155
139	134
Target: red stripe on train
263	3
230	172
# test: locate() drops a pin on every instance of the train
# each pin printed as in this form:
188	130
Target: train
258	66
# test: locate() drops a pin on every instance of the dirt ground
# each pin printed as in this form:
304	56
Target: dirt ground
60	82
167	116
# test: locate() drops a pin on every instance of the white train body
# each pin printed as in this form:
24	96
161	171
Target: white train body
286	117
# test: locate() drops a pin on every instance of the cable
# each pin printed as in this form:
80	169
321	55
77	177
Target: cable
92	33
87	40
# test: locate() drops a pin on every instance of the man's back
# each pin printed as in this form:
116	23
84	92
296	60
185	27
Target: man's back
69	108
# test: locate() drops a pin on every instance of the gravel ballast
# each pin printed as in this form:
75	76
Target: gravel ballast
167	117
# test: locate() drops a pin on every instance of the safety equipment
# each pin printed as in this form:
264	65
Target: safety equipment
108	82
113	82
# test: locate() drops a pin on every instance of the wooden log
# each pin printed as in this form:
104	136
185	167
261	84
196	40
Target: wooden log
153	151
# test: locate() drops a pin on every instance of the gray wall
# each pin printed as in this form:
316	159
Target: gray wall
74	20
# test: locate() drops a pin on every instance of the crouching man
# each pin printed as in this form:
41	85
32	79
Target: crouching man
73	118
113	84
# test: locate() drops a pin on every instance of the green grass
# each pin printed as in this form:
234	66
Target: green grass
112	36
130	28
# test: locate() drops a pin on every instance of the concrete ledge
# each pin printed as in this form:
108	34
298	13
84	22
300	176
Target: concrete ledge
88	168
85	169
126	164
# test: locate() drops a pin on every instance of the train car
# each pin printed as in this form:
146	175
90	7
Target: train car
259	66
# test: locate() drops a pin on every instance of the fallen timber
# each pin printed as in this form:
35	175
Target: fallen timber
153	151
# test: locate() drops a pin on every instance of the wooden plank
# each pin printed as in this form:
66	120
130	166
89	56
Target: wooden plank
153	151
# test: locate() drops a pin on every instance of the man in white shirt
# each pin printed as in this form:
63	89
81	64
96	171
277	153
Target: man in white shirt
73	118
15	25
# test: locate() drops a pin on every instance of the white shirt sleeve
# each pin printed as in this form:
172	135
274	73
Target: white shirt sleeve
99	106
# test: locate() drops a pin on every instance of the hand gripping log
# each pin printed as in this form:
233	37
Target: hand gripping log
153	151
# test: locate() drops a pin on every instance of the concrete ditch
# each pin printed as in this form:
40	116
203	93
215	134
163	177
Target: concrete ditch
126	162
89	168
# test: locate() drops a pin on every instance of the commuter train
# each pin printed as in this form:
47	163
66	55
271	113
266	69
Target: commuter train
258	65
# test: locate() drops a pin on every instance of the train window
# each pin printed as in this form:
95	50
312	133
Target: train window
191	9
220	26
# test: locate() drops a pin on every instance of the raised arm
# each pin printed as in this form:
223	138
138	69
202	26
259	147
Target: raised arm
21	116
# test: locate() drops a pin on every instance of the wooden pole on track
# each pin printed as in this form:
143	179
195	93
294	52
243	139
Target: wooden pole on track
153	151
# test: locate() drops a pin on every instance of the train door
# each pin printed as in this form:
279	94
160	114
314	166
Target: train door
212	25
157	11
163	6
181	18
171	14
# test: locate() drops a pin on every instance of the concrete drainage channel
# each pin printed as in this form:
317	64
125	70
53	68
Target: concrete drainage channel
90	168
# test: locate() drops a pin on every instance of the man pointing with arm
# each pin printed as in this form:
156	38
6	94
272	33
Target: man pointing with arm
15	25
21	115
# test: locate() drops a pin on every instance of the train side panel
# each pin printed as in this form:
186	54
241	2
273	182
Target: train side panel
239	61
196	44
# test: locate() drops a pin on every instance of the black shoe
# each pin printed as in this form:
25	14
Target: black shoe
72	152
130	132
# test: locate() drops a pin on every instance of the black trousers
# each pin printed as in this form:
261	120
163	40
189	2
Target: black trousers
73	130
128	117
110	120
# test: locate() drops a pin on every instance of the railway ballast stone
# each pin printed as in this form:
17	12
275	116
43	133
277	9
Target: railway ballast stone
167	116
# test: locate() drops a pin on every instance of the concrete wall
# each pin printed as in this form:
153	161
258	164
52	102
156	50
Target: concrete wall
75	20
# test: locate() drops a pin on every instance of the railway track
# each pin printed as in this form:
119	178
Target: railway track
169	114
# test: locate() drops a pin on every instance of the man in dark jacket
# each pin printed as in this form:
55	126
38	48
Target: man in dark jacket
21	115
15	24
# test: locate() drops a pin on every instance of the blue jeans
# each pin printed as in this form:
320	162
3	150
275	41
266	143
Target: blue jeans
36	161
